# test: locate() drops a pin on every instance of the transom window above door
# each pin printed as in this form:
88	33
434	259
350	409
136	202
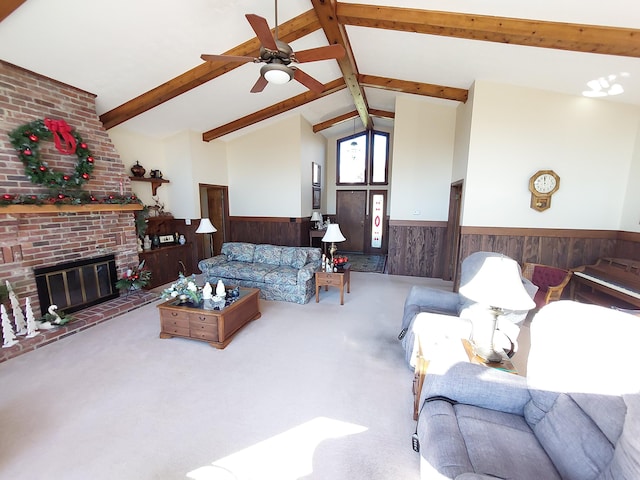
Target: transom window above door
363	159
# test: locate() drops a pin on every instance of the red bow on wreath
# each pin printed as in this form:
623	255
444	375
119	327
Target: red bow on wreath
61	132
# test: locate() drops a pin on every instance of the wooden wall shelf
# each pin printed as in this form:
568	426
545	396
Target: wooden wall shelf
103	207
155	182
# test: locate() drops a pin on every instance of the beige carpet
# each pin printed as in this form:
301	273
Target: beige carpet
316	391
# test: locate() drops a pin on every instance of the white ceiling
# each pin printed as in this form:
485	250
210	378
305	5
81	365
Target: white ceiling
119	49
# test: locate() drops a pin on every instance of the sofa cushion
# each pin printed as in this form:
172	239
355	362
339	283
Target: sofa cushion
255	272
238	251
458	439
269	254
626	458
293	257
282	275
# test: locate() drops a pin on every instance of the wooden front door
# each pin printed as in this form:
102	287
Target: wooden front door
351	211
450	269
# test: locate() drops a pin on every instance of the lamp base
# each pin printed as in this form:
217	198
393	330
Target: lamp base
487	355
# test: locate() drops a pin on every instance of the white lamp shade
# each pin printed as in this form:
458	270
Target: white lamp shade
498	284
333	234
206	226
316	217
276	73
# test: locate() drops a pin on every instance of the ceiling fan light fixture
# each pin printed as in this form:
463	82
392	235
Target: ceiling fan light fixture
276	73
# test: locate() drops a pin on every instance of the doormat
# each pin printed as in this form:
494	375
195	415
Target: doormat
367	263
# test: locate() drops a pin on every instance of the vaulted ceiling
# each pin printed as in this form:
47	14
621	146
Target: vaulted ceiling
142	57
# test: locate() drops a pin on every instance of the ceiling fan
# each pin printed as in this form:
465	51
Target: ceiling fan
279	58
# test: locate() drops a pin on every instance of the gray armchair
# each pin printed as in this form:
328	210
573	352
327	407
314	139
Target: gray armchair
427	306
575	416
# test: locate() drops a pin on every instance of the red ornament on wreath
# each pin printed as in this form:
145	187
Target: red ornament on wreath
26	140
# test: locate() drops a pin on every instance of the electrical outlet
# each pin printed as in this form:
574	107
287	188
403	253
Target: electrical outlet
416	212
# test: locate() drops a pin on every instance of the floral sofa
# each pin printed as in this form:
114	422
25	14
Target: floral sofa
281	273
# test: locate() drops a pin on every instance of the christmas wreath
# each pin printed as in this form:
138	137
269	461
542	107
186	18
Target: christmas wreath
26	140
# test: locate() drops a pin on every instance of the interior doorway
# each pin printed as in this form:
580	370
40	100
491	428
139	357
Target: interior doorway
351	211
214	204
450	270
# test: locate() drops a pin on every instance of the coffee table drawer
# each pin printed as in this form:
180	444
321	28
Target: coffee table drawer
173	317
175	330
205	335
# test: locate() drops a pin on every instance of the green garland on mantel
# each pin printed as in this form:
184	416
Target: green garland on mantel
64	187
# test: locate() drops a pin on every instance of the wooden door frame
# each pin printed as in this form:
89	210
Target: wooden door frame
223	230
452	244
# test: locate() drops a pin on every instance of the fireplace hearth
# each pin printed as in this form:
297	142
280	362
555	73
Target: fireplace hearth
75	285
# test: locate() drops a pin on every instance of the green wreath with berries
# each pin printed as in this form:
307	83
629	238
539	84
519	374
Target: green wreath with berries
27	139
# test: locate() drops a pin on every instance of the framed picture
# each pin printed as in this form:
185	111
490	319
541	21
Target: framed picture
317	197
315	174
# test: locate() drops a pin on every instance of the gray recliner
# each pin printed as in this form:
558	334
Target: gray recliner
575	416
425	300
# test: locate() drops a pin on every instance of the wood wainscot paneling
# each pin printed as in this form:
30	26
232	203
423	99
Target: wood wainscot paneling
562	248
416	248
288	231
628	245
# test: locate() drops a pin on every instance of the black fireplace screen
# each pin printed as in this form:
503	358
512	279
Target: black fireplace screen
76	285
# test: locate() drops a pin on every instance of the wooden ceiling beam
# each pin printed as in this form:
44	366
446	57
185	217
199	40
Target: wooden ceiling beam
335	121
374	112
294	29
416	88
7	7
284	106
336	34
533	33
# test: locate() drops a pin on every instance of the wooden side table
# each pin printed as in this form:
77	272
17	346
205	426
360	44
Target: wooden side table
334	279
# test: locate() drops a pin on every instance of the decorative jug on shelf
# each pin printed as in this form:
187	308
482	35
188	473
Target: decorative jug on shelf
138	170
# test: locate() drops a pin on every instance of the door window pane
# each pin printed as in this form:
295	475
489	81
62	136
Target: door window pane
352	159
379	158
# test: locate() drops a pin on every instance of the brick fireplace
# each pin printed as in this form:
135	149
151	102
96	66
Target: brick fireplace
43	238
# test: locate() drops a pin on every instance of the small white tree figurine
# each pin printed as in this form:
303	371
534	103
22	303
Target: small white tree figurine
18	316
32	326
7	329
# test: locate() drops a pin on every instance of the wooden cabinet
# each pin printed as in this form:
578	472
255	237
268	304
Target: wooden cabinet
166	263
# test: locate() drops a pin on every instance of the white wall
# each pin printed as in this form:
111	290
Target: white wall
516	131
313	149
423	145
631	214
149	152
265	172
184	159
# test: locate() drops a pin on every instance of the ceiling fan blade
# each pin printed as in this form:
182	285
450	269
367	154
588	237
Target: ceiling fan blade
308	81
259	85
226	58
320	53
263	32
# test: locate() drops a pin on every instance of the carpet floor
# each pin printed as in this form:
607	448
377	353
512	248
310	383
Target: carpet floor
315	391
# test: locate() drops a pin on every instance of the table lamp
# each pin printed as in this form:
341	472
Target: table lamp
207	227
333	235
317	217
498	285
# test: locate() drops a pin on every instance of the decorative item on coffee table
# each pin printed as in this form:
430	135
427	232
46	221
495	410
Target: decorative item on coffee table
185	290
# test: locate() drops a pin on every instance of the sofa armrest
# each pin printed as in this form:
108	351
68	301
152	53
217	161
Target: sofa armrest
208	263
307	272
477	385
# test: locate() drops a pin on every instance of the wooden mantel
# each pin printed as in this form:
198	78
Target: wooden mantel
85	208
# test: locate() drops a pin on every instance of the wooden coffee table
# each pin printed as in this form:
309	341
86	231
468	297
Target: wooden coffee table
217	327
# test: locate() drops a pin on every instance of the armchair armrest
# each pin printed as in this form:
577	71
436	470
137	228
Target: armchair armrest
425	299
208	263
477	385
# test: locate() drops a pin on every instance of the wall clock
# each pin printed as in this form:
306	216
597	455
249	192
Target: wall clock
542	185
